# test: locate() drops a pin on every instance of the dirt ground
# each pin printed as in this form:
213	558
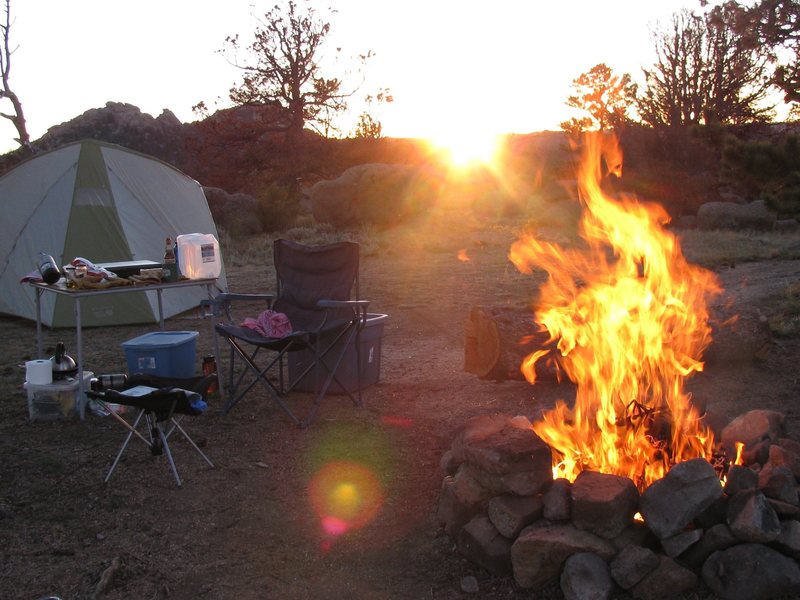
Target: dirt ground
247	528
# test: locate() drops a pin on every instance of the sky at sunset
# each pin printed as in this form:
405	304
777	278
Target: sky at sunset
495	66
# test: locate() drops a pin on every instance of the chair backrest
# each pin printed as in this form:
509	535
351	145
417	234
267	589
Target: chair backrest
307	274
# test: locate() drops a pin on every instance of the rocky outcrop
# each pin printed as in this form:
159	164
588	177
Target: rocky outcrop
731	215
375	194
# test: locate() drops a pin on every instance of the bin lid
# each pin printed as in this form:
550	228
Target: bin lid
161	339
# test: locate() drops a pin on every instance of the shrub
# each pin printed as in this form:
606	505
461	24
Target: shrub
278	207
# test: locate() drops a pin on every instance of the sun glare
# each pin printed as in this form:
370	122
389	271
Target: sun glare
466	147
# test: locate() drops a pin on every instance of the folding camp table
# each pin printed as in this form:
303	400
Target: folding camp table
77	294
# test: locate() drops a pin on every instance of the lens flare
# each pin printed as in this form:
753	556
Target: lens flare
346	496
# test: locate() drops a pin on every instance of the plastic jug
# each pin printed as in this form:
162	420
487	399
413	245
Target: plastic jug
198	256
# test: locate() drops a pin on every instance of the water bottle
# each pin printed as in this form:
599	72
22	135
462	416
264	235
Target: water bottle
48	269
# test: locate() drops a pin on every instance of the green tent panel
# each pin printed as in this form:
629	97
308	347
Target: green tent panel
104	203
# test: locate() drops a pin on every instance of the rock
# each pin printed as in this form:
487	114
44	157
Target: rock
751	518
469	489
631	565
778	482
731	215
667	580
469	585
234	212
448	464
454	511
784	510
586	577
751	572
788	541
557	501
718	537
602	503
678	544
377	194
635	534
781	454
480	542
540	551
510	514
500	444
740	478
754	426
672	502
757	453
714	514
504	454
786	225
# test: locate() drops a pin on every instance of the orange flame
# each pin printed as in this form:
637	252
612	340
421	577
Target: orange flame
463	256
629	313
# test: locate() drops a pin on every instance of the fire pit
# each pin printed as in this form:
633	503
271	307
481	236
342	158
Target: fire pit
740	537
629	486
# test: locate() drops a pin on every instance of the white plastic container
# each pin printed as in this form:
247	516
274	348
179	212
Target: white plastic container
198	255
56	400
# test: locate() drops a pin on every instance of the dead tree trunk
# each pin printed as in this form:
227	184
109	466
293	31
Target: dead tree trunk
498	339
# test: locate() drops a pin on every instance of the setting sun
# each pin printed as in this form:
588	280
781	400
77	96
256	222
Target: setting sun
466	147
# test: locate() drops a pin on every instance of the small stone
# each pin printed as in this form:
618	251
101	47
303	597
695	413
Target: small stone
557	503
469	585
100	537
751	518
631	565
739	479
678	544
586	577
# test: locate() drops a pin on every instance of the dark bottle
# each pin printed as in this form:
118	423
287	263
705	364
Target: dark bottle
170	262
48	269
209	368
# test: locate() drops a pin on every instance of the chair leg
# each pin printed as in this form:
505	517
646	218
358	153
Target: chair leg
131	432
165	445
176	425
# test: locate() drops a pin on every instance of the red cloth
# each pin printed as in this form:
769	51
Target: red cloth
270	324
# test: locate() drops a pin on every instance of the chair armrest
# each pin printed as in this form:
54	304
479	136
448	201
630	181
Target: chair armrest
343	304
222	303
229	296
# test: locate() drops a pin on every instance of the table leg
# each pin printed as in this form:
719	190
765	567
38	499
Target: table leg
215	342
160	310
79	341
38	322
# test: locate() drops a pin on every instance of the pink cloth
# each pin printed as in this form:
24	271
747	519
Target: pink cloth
270	324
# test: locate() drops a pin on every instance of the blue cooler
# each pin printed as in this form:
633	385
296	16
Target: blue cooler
162	353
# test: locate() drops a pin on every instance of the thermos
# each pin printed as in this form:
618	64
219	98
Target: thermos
113	381
48	269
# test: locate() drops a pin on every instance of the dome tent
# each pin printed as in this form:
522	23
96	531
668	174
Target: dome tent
104	203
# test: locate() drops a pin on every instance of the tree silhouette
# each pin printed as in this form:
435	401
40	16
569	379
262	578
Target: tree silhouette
704	73
606	97
772	27
17	118
282	67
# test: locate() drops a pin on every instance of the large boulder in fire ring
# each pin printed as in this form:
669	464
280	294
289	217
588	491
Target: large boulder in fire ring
751	571
753	427
603	503
504	454
540	551
675	500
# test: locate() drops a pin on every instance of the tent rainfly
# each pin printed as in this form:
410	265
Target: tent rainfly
104	203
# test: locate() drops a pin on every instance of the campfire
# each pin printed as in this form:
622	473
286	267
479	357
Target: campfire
630	319
627	487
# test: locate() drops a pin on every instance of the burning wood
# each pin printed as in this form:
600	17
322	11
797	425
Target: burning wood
629	316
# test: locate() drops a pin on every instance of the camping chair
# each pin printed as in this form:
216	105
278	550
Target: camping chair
318	289
160	408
